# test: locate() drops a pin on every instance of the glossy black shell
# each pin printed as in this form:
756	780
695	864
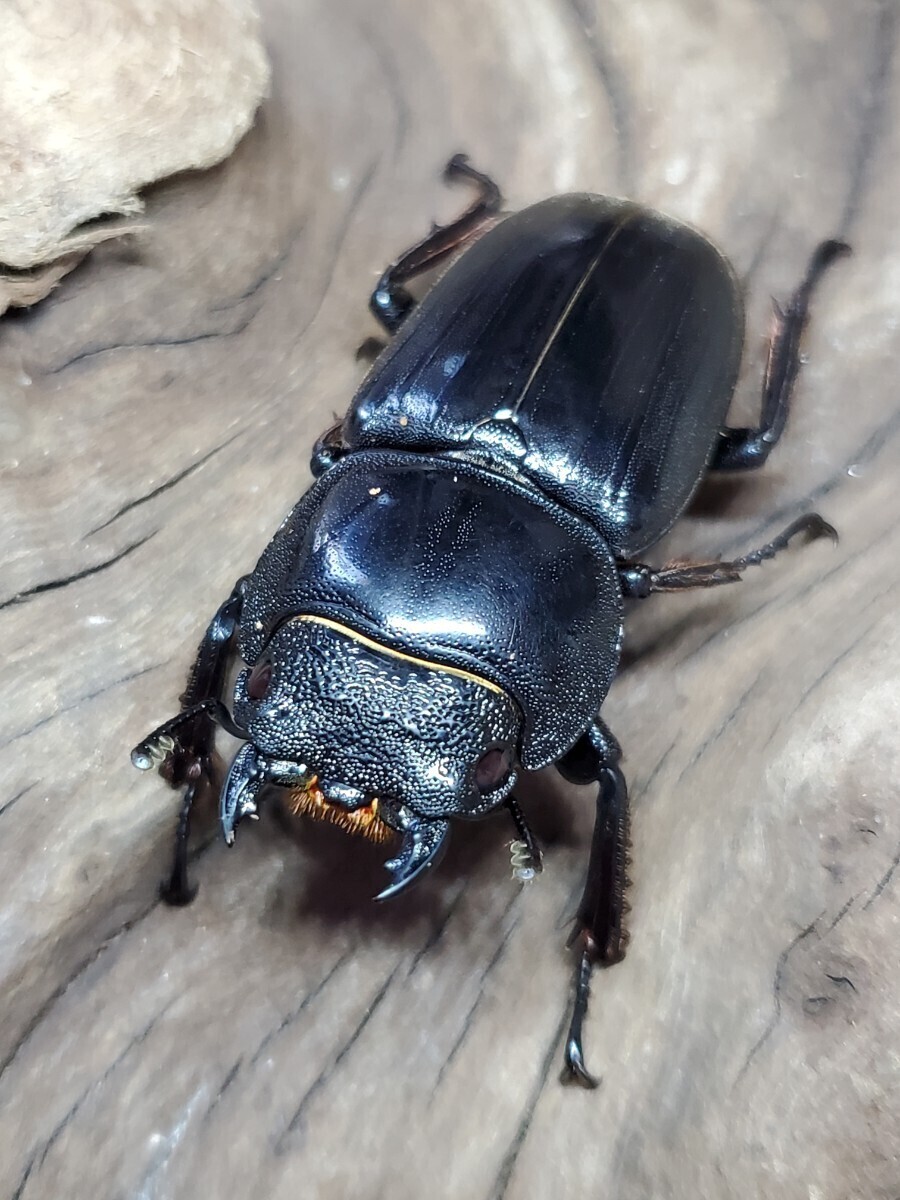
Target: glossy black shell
550	405
453	564
590	342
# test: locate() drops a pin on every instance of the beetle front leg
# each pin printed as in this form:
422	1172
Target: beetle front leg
599	937
183	747
390	302
746	449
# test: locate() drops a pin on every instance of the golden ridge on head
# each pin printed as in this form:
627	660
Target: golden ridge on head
380	648
363	821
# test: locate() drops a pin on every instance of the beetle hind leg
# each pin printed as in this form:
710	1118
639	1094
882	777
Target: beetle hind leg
746	449
390	302
599	937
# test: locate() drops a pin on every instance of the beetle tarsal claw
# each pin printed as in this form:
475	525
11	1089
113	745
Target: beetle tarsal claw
240	790
423	843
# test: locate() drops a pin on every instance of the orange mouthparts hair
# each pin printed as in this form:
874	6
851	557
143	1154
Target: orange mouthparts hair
365	821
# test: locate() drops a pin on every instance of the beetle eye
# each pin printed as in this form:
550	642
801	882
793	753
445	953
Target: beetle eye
491	769
258	681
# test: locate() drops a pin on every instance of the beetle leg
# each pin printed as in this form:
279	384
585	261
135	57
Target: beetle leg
369	349
188	757
390	302
599	938
745	449
638	580
177	890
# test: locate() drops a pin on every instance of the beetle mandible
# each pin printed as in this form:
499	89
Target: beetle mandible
443	607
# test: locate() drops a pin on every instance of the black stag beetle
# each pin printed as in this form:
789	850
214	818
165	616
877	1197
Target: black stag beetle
443	607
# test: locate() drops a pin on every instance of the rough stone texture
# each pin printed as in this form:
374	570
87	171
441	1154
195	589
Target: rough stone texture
100	98
284	1037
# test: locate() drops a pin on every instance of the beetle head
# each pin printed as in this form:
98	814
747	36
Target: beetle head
370	739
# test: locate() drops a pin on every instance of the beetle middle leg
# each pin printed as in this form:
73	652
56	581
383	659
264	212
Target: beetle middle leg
746	449
599	937
183	747
390	302
639	580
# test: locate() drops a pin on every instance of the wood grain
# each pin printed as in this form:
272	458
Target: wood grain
284	1037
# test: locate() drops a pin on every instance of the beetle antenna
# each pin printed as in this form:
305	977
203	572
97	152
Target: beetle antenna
525	853
158	745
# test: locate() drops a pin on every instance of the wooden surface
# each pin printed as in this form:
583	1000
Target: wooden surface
285	1037
94	96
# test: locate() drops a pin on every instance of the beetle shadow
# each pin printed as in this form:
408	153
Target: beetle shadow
655	638
721	495
341	874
